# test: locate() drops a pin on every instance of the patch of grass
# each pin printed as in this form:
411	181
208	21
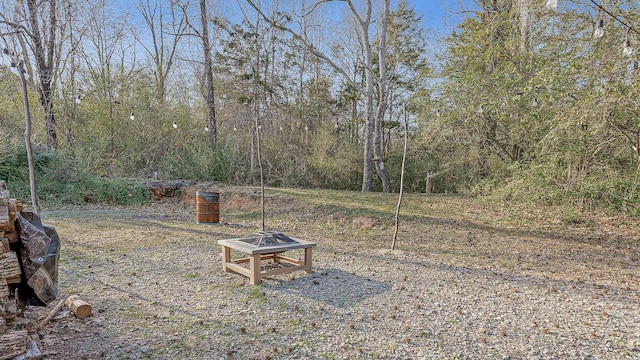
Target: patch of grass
257	293
572	216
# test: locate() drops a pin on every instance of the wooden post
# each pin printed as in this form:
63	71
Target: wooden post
404	158
307	260
254	268
226	257
429	185
27	141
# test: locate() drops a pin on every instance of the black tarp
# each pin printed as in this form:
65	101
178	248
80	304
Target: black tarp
39	253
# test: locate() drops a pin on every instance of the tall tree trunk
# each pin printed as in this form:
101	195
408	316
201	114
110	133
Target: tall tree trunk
524	10
369	131
382	101
44	62
208	73
367	173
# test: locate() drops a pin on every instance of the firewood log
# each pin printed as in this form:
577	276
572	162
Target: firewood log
15	206
9	311
10	267
5	244
79	307
5	222
12	237
4	289
52	313
13	344
33	349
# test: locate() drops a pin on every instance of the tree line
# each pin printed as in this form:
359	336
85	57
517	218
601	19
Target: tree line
517	101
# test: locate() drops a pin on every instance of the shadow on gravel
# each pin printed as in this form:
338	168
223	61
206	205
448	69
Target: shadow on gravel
331	286
549	286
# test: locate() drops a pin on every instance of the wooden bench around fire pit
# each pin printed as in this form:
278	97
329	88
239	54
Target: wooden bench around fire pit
260	249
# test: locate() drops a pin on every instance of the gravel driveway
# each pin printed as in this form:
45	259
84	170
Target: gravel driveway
155	281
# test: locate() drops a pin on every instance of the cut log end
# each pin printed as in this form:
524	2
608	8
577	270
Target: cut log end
79	307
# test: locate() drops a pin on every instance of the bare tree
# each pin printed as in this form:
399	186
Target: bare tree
36	23
165	38
373	117
109	57
208	74
203	35
383	97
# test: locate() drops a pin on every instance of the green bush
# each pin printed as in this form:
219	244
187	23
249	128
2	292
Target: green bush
608	190
57	181
114	191
198	163
13	163
619	194
333	162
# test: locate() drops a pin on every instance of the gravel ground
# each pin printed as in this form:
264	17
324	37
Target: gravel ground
155	281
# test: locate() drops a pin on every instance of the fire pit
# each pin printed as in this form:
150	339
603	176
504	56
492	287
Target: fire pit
265	246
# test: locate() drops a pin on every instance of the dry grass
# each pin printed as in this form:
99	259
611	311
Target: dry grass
362	222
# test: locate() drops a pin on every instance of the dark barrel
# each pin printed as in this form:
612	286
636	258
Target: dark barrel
207	207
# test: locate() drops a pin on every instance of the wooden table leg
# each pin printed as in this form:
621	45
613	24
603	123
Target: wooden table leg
307	260
254	268
226	257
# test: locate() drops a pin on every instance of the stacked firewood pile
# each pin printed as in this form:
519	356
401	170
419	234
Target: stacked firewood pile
27	256
12	342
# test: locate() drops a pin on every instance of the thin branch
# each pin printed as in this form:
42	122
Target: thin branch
10	33
55	310
15	25
313	8
306	44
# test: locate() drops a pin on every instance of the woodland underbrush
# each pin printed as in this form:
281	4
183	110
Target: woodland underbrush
72	178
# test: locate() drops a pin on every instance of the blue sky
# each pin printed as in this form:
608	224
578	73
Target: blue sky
441	16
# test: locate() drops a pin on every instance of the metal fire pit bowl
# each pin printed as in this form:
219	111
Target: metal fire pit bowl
266	245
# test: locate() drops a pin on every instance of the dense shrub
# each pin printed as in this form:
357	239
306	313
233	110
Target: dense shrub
611	191
57	180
